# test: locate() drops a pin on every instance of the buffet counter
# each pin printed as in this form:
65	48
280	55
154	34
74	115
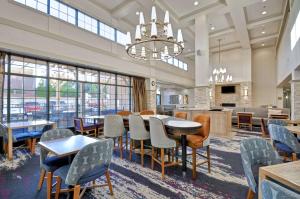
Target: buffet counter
220	121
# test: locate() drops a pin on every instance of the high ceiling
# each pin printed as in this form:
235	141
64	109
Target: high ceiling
238	23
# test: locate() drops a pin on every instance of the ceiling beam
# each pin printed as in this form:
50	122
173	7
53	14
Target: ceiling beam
264	21
262	39
228	46
239	20
222	32
124	8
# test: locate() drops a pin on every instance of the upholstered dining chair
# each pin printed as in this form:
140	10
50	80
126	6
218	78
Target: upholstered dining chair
89	164
200	140
277	122
160	140
147	112
256	152
264	129
48	164
137	132
272	190
114	128
126	124
181	115
36	135
284	141
83	128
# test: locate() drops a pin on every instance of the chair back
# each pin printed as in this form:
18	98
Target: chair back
205	121
113	126
124	113
275	191
263	127
245	118
137	128
93	156
283	135
277	122
158	135
147	112
52	135
181	115
256	151
78	124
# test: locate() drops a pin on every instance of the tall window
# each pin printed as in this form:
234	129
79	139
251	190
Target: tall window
40	5
88	23
107	31
59	92
62	11
121	38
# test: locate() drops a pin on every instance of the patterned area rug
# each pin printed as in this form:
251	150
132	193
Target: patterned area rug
19	178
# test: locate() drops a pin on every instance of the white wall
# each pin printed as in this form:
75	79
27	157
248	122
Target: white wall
237	62
26	30
288	59
264	76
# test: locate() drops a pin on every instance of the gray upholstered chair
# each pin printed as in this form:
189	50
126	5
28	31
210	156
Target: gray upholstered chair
138	132
114	128
160	140
90	163
48	164
272	190
277	122
256	152
284	141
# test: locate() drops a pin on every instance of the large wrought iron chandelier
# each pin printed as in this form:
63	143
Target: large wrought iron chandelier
220	75
154	40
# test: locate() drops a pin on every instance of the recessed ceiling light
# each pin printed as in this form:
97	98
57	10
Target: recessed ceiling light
137	13
212	28
263	32
264	0
263	44
196	3
264	12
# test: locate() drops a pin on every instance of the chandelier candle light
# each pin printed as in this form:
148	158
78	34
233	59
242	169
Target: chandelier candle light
218	75
154	40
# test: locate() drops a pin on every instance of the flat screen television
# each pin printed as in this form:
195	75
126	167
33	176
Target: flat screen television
228	89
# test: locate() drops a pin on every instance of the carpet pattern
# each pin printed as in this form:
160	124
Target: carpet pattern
19	178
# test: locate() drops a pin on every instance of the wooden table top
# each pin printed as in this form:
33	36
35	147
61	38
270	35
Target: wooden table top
285	173
293	122
294	129
24	124
67	146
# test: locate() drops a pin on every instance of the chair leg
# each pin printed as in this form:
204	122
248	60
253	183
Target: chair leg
42	177
152	158
130	150
194	173
208	158
250	194
169	156
76	192
49	184
5	148
33	143
126	140
109	182
121	147
173	154
176	152
142	153
294	157
29	145
58	183
162	156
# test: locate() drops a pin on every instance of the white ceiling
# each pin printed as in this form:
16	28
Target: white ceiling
238	23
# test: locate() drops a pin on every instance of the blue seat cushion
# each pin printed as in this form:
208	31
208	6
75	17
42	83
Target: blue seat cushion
283	147
53	163
89	176
19	135
36	134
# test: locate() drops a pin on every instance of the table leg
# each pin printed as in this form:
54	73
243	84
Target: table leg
262	176
54	126
10	144
183	145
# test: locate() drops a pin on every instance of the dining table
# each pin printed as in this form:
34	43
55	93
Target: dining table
294	129
287	174
183	128
10	126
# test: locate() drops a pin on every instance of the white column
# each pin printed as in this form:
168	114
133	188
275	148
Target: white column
202	99
295	95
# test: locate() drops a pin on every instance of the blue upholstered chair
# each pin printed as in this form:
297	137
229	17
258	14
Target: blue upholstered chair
37	134
85	128
285	141
137	132
277	122
256	152
160	140
48	164
90	163
272	190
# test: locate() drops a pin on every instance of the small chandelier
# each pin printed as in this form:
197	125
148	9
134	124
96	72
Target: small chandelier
220	74
154	40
